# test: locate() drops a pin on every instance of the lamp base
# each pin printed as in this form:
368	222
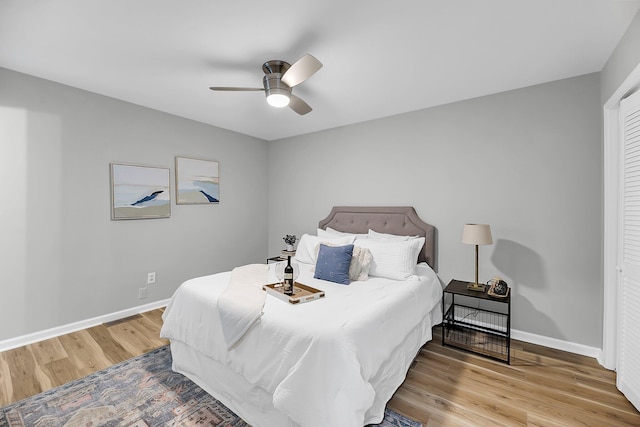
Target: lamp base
476	287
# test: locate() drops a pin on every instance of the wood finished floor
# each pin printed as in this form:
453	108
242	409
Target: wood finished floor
445	387
38	367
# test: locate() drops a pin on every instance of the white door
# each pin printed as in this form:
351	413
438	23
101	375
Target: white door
628	366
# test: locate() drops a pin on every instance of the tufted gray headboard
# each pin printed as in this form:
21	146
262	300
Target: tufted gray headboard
402	220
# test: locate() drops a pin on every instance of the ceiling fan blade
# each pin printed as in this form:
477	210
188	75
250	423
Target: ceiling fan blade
298	105
301	70
242	89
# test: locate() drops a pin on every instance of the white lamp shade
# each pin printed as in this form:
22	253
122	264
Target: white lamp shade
477	234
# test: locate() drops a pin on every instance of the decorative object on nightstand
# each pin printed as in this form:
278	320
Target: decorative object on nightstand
477	234
290	240
498	288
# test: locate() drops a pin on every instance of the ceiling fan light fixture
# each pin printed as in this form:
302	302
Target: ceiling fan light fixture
278	98
280	77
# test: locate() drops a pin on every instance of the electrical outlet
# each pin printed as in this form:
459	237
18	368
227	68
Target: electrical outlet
142	293
151	278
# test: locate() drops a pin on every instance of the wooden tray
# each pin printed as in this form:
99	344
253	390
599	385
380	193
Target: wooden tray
301	293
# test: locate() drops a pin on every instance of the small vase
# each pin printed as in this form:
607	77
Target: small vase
290	248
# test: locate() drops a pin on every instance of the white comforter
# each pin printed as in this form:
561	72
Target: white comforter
323	361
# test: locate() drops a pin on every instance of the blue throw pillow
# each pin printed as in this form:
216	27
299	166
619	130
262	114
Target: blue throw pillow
333	263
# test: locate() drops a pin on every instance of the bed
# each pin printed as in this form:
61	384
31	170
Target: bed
334	361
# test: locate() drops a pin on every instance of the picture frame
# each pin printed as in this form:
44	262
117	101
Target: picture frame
139	192
197	181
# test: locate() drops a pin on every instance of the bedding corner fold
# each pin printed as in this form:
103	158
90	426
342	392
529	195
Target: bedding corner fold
240	305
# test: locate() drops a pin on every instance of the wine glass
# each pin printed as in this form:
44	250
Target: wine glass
296	270
279	270
296	273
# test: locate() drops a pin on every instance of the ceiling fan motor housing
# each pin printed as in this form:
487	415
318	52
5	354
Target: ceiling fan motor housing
274	85
272	81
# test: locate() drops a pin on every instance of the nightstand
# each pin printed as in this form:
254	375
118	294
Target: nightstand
484	330
282	257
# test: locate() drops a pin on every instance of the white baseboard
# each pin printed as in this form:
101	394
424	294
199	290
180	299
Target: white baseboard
479	317
557	344
76	326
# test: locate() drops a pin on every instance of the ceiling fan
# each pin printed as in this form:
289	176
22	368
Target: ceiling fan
280	78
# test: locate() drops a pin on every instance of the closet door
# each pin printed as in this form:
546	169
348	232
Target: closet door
628	366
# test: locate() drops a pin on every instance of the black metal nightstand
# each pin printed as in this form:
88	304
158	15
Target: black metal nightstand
483	330
282	257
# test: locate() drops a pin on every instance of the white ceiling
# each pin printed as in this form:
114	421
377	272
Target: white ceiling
380	57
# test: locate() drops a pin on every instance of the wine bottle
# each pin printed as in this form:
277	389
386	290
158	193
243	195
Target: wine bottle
288	278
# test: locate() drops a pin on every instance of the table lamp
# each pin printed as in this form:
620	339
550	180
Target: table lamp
476	234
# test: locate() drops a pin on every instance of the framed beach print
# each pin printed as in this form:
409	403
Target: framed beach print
139	192
197	181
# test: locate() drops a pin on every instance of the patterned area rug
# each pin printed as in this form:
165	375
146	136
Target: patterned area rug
140	392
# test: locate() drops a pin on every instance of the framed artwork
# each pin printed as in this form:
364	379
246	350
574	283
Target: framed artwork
197	181
139	192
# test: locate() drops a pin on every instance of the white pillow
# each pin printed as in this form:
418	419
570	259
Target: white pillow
393	259
361	260
330	232
307	251
384	236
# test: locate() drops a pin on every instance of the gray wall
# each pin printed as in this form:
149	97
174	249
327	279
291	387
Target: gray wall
528	162
624	59
61	257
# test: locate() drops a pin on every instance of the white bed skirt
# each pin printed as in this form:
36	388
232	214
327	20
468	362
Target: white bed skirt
254	404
